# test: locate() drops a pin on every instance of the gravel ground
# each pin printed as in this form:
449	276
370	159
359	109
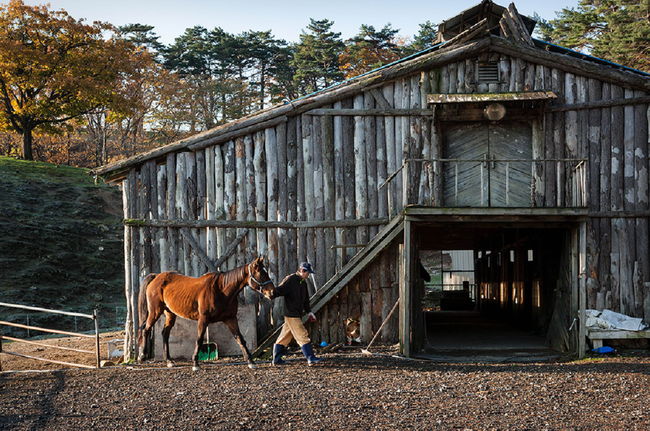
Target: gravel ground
349	391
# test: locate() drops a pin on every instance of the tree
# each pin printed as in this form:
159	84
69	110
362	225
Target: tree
264	52
369	49
616	30
316	60
54	68
141	35
425	38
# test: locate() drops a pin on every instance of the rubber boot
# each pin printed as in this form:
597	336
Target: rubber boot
278	351
308	351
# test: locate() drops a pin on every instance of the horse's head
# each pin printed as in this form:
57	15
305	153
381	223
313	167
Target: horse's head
258	278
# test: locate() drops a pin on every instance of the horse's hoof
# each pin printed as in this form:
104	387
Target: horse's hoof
195	368
252	366
170	364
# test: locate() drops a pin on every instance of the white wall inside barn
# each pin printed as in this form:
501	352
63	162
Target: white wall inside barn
183	336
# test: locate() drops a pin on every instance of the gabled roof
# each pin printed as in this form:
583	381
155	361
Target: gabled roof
471	41
488	10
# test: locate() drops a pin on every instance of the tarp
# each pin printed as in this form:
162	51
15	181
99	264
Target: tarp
608	319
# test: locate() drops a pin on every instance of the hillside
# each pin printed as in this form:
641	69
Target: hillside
61	243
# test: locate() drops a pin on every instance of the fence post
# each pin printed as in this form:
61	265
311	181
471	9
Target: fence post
96	335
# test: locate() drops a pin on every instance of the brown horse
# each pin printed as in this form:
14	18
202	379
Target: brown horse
206	299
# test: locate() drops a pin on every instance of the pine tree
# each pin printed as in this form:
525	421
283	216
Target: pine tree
616	30
316	58
425	38
369	49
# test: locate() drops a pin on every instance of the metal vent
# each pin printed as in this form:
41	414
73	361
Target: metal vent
488	72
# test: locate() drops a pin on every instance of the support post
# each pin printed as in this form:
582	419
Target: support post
405	292
582	288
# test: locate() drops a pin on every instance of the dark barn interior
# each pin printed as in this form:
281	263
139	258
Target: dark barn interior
499	306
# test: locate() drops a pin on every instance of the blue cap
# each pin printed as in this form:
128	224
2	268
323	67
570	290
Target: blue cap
307	267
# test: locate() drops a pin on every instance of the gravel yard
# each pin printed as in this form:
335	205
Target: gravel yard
349	391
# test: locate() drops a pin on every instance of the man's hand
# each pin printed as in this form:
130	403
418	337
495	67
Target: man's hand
311	317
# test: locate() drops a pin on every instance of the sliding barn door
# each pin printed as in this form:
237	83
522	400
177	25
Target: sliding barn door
488	164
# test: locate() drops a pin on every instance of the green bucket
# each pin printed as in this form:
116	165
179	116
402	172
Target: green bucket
208	352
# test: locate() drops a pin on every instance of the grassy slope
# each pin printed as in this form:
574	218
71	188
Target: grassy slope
60	240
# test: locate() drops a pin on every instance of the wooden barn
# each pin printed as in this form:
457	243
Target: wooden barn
530	158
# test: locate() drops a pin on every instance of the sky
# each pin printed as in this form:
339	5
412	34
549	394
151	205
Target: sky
286	19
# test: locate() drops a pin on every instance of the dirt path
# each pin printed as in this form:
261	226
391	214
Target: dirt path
349	391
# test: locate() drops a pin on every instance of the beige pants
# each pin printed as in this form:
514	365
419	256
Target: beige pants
293	328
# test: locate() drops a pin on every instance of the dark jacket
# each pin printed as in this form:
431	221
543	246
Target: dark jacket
296	295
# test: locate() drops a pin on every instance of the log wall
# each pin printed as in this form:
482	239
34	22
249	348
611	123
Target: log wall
313	168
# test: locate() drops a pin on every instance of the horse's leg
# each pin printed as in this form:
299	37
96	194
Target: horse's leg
170	320
201	326
233	325
155	310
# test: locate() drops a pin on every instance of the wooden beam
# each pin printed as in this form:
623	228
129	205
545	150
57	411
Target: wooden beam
582	286
380	99
599	104
405	320
371	112
490	97
261	224
198	250
469	33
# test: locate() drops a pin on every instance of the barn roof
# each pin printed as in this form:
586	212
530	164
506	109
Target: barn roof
475	37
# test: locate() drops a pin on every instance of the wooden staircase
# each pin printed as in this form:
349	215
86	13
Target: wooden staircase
334	285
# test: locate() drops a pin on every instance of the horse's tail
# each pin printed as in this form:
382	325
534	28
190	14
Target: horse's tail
143	309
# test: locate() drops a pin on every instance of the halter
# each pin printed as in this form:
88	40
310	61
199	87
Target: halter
259	284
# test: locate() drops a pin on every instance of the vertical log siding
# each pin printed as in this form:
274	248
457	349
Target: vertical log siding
330	168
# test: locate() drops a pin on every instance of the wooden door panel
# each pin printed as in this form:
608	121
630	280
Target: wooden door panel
465	183
510	181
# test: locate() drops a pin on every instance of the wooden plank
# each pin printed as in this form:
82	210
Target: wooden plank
360	175
281	138
250	242
242	204
371	162
369	112
259	162
491	97
301	209
605	103
604	264
391	159
211	213
230	195
200	201
382	167
641	167
271	151
582	293
365	322
349	164
317	254
339	185
405	292
329	195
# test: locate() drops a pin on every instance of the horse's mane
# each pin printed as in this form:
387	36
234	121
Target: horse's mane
233	276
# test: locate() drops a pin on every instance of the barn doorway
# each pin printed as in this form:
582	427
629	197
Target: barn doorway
496	292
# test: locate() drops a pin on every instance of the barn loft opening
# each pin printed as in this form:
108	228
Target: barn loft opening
496	292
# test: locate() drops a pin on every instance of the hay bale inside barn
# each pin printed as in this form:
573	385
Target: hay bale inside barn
525	160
